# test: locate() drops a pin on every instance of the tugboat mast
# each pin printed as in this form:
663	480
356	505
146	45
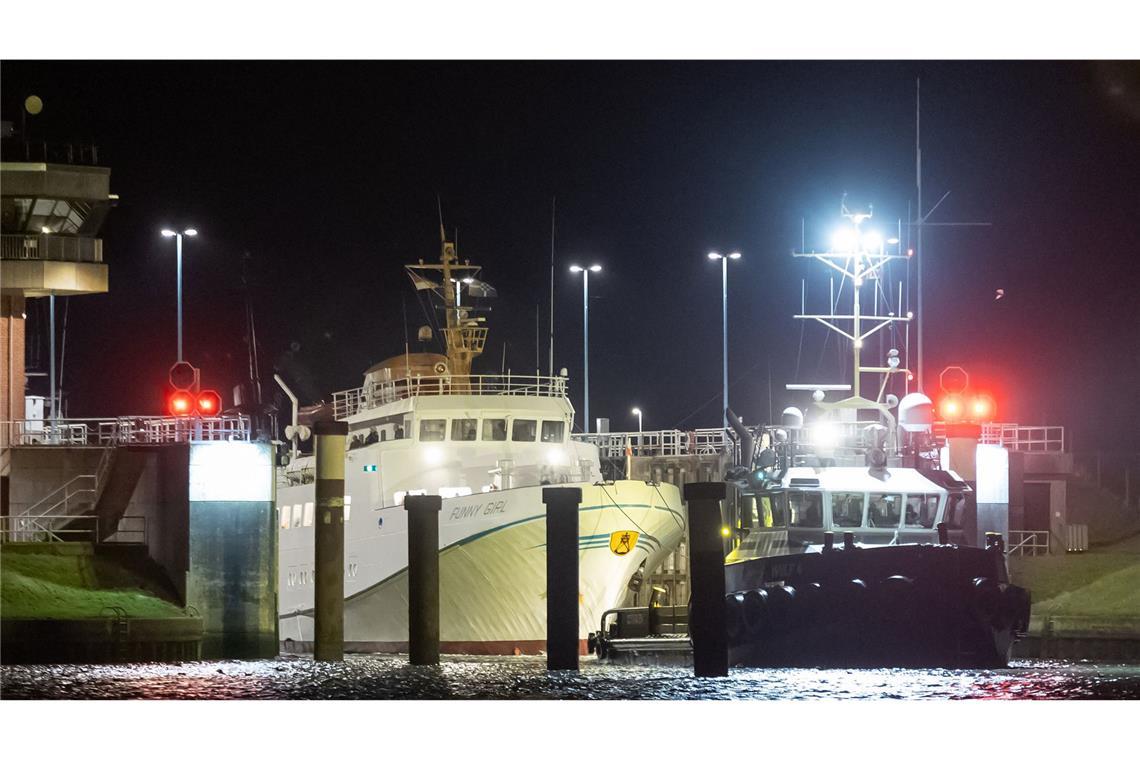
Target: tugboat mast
860	256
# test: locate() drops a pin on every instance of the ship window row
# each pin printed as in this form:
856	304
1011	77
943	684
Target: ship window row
494	429
847	509
301	515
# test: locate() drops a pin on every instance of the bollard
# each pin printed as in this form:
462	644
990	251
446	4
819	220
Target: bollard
423	578
943	533
328	535
828	541
562	577
708	625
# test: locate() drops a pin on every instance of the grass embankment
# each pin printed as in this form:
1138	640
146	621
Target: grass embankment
73	586
1104	582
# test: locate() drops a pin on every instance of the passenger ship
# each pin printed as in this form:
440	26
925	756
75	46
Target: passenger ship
422	423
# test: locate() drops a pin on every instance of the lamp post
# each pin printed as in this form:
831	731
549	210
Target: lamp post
586	337
724	311
189	232
637	410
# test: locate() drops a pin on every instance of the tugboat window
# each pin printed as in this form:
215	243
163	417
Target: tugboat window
921	509
494	430
885	511
464	430
524	430
805	509
847	510
955	506
432	430
771	511
552	431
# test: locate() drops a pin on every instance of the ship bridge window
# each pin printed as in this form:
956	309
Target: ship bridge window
955	509
296	515
847	510
770	511
885	510
494	430
552	431
524	430
921	510
309	510
464	430
805	509
432	430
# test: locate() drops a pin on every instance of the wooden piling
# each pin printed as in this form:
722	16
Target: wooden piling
562	577
328	603
707	621
423	578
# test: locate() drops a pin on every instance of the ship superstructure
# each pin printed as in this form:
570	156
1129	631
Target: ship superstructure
425	423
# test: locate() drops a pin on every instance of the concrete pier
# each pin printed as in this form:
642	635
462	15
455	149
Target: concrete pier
562	577
423	578
329	537
707	621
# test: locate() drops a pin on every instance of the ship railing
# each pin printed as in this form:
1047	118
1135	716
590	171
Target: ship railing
650	443
349	402
119	431
1028	543
1016	437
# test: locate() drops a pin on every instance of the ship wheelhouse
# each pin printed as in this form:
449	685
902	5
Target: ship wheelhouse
898	505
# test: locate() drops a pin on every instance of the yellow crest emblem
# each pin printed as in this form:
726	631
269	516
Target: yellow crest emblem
623	541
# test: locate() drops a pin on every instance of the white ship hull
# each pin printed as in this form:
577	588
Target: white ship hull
492	566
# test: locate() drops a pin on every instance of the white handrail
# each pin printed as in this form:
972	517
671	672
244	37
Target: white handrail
349	402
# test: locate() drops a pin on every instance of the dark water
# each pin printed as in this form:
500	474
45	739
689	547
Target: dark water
468	677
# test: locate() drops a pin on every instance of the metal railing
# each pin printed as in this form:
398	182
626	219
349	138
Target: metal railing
350	402
51	248
118	431
25	529
61	501
28	529
85	154
1028	543
704	441
1017	437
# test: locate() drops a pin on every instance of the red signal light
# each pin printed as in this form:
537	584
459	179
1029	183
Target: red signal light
209	403
951	408
982	409
180	404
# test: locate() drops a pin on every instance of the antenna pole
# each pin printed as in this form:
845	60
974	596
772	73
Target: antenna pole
553	202
918	244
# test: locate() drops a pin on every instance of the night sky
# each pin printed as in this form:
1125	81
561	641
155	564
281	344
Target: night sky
327	174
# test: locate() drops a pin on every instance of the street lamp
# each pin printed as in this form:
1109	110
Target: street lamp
189	232
637	411
724	309
586	336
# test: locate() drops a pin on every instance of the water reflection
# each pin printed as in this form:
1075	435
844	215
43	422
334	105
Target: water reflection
459	677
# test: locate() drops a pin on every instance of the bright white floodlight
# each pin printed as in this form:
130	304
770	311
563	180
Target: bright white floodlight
872	241
190	232
844	240
596	268
714	255
575	268
734	255
169	233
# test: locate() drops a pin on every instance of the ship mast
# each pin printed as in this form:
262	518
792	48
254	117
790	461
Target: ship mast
860	257
463	335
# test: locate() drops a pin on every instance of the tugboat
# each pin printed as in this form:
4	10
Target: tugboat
904	587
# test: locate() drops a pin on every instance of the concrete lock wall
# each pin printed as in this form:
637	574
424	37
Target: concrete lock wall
39	470
232	578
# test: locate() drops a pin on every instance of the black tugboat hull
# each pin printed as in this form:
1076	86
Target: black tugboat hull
891	606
